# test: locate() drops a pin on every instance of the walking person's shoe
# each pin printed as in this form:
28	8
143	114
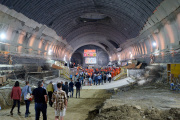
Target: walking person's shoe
19	113
26	115
11	112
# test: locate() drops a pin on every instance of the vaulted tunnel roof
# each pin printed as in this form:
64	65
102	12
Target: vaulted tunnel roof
117	20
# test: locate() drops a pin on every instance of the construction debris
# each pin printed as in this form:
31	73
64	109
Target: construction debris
126	112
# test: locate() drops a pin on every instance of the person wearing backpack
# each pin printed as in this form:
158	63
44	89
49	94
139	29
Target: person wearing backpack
25	90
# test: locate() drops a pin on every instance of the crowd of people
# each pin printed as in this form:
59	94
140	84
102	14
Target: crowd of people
58	93
95	76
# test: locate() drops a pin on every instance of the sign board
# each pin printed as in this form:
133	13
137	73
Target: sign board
90	60
89	53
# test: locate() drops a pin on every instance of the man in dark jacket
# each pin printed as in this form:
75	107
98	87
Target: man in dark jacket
66	89
40	98
78	87
71	85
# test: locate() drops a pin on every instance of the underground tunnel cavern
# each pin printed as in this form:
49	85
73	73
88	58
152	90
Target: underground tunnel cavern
109	59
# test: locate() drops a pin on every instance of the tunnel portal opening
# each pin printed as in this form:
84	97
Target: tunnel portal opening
90	55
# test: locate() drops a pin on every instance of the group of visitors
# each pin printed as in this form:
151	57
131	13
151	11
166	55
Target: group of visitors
92	78
57	96
16	95
58	93
95	76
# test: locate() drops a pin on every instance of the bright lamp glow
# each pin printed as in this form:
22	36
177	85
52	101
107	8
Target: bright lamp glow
131	56
2	36
50	52
154	44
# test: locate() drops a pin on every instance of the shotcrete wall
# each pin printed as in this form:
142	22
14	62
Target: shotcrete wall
27	38
165	34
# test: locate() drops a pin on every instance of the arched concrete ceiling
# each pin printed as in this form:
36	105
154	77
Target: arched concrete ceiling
93	38
91	43
118	19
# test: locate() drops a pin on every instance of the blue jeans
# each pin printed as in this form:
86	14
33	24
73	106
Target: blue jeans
96	82
27	106
72	91
40	107
77	91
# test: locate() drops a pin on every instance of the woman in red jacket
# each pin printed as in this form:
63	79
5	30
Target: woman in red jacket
16	96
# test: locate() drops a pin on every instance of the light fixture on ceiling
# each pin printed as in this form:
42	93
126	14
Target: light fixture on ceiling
154	44
2	36
49	52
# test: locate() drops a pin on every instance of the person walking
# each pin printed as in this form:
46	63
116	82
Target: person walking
82	79
43	84
96	79
109	77
66	88
50	91
71	85
55	87
16	96
71	76
104	78
40	98
62	85
59	99
99	78
26	89
78	87
90	79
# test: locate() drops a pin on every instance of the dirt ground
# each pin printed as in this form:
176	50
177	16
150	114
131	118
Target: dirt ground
78	108
150	102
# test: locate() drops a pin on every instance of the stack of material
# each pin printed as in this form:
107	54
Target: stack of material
56	67
39	69
132	66
2	79
139	66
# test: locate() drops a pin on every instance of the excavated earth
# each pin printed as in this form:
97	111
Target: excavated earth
150	102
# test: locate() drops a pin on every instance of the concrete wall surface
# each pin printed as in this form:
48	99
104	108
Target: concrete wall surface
161	40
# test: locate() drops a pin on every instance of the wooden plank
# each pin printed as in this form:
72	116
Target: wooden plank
1	80
139	66
56	67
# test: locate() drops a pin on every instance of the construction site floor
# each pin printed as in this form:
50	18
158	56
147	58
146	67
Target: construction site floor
78	108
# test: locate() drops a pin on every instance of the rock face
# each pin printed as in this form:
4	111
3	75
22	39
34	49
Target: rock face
126	112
